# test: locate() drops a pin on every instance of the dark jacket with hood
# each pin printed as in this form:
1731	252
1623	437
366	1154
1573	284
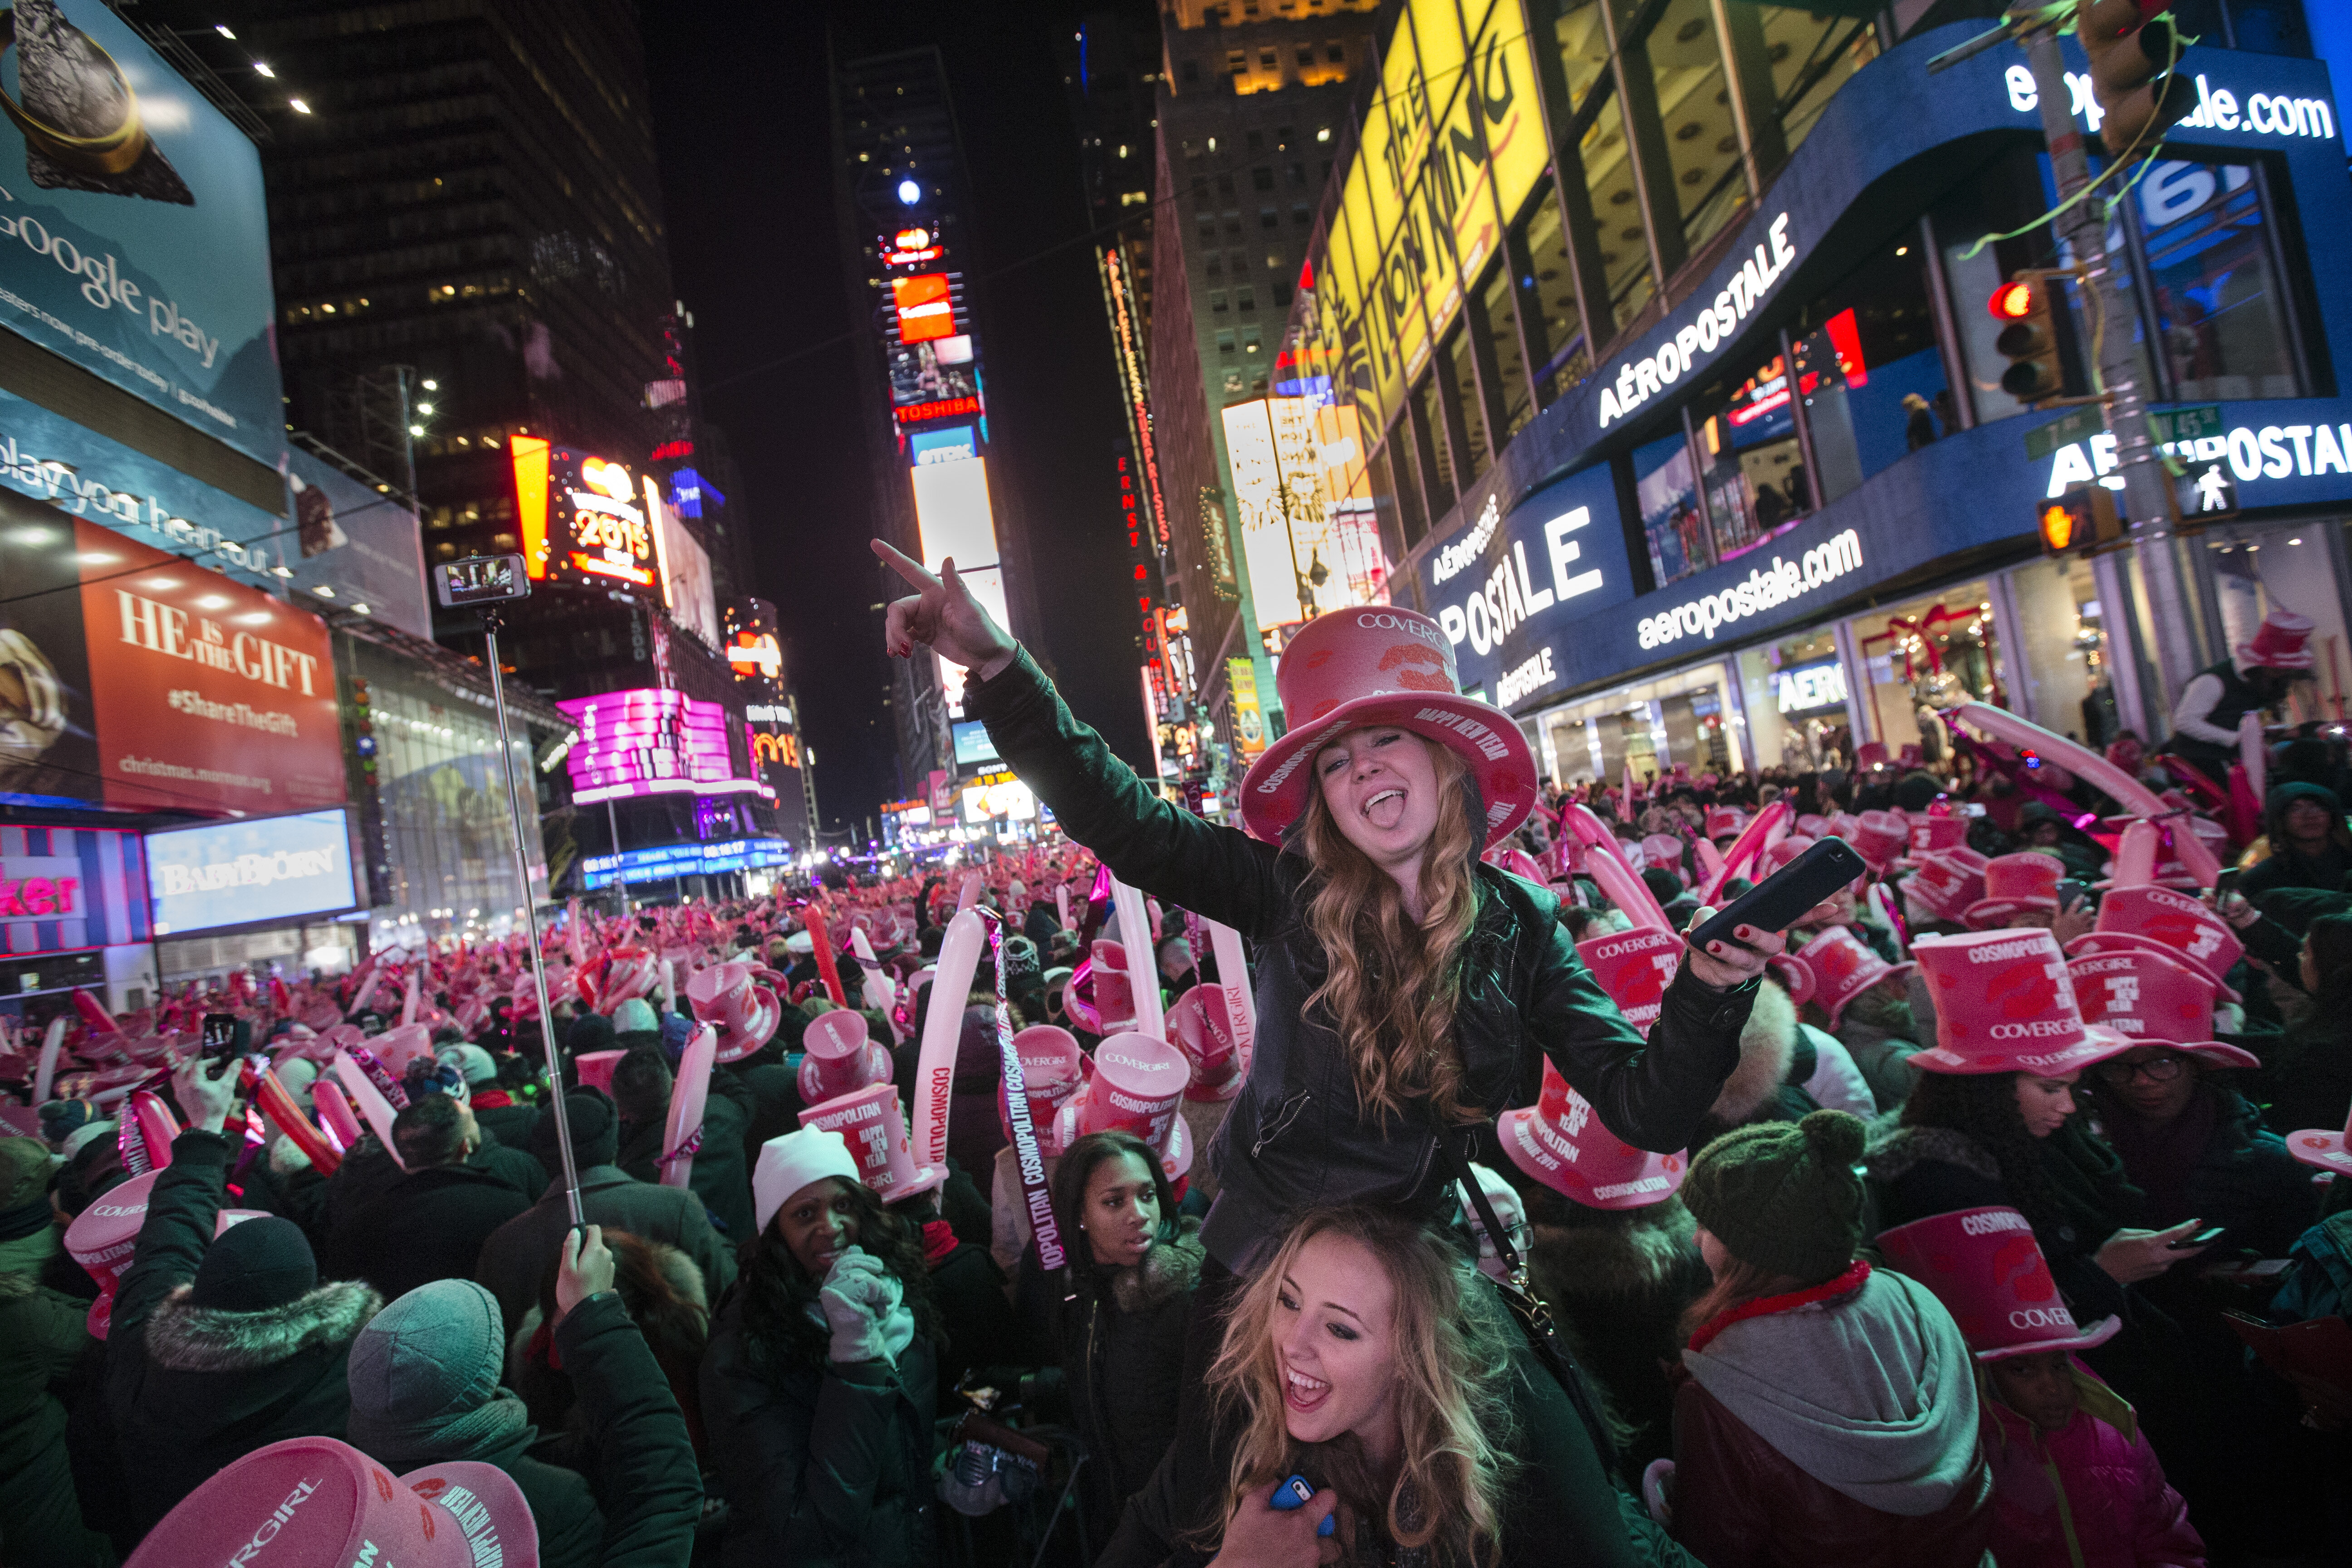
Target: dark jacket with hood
44	1336
719	1177
824	1464
191	1389
1618	1290
1118	1346
1297	1134
2286	867
2239	1174
429	1224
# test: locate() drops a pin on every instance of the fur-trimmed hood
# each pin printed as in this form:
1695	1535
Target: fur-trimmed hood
1169	1268
183	1337
1895	1150
1768	1045
1603	1261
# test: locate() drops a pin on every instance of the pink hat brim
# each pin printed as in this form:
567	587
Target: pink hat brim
514	1529
2109	941
2321	1149
2099	1334
1570	1183
2098	1044
1980	915
734	1045
1274	792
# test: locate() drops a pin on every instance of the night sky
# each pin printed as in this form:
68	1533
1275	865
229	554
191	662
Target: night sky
740	104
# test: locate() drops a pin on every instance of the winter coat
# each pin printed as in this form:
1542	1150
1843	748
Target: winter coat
1838	1430
824	1464
634	1501
519	1254
2090	1495
1836	1081
1297	1134
429	1224
43	1335
720	1177
1880	1055
1119	1348
2243	1179
1619	1294
191	1389
510	1121
970	1289
1766	1084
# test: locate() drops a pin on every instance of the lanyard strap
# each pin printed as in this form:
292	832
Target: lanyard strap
1034	1196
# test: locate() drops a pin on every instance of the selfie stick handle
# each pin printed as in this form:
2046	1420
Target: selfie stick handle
530	926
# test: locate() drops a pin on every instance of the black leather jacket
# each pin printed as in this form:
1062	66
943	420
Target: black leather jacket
1297	1136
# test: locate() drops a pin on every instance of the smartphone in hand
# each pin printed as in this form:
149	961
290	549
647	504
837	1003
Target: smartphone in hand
1781	899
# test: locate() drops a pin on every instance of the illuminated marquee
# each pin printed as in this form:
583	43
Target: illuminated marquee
649	741
943	408
599	531
924	310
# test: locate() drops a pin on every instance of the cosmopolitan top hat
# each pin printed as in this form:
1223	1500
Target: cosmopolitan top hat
2280	642
1942	886
2153	999
322	1504
1382	665
2157	920
1879	837
1987	1269
1561	1143
2004	1004
1843	967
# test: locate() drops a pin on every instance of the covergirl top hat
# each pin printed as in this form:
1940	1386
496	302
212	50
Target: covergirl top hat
1663	849
1987	1269
1778	855
1201	1024
838	1059
1634	967
2319	1148
1382	665
1844	966
872	1122
2153	999
1561	1142
1942	886
1051	1068
1937	834
2280	642
2015	884
320	1503
2004	1004
2157	920
1879	837
745	1015
1726	822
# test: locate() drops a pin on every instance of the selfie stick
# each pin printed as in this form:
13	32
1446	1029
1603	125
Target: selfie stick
555	1056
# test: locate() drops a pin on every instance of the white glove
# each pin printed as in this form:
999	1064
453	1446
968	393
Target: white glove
864	1306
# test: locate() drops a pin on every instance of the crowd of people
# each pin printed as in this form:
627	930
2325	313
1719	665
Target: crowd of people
1397	1182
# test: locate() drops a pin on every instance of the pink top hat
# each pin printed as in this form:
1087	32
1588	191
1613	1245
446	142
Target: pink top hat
1203	1030
2158	920
1870	754
1726	822
874	1124
102	1237
1114	991
2153	999
595	1070
1844	966
2317	1147
1942	887
1937	834
2004	1004
1634	967
1795	976
1663	850
1051	1068
2169	871
1812	825
744	1014
837	1058
1778	855
2280	642
1987	1269
1382	665
400	1044
1878	836
2014	885
322	1504
1561	1143
1137	1083
1842	824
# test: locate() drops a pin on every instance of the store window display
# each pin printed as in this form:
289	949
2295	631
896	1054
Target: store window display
2061	671
1924	657
1754	466
1796	698
1652	725
2220	311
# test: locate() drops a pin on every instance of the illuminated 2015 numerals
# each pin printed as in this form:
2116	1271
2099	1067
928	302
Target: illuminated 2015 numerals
601	530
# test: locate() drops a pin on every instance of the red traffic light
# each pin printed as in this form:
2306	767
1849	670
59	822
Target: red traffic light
2012	302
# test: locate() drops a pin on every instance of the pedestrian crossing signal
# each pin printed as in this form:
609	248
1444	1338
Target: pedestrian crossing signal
2081	520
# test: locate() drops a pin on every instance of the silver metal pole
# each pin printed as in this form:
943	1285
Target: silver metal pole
550	1050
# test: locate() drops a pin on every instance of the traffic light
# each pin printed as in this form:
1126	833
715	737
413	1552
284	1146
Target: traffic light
2132	50
2029	339
2083	518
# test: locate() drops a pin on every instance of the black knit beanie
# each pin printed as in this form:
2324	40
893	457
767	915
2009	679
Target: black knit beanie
595	1132
1784	1198
255	1264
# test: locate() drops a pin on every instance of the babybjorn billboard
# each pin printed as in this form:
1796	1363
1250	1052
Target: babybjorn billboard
134	240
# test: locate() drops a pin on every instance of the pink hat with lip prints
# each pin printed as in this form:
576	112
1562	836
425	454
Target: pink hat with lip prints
837	1058
1988	1271
1844	966
2015	884
1879	837
2157	920
320	1503
1942	886
1561	1142
2004	1003
1382	665
1051	1069
1634	967
2153	999
102	1238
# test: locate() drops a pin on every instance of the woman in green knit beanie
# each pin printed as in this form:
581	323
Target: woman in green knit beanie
1826	1413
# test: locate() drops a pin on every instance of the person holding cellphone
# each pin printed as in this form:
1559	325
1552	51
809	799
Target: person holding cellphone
1406	992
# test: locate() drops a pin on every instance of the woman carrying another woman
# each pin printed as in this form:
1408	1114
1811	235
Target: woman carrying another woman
1406	993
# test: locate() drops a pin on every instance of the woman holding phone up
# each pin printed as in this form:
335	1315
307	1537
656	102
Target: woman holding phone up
1405	991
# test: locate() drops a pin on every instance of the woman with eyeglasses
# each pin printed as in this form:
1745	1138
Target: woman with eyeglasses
2197	1149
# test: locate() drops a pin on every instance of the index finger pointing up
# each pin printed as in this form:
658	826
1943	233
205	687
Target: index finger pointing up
904	566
